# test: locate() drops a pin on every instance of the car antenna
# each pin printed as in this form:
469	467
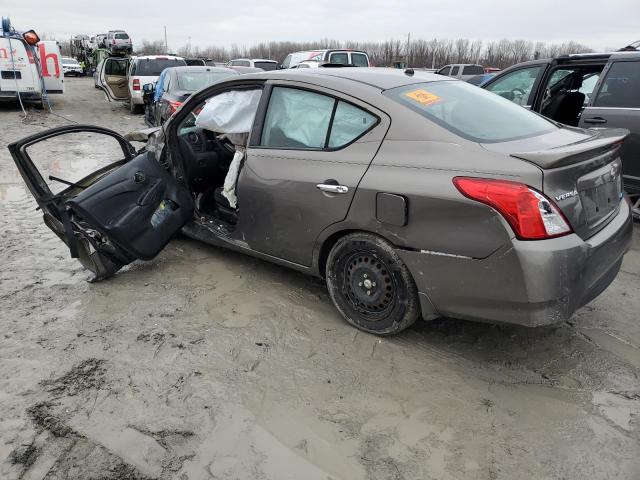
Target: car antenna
409	71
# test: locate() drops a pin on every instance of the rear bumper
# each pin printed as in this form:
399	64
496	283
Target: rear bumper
528	283
136	97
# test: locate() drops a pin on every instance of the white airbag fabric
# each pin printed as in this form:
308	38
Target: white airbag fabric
230	112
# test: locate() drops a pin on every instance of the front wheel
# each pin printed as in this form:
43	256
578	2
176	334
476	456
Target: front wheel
370	285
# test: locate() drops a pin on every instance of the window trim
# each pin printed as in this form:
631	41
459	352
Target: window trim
256	138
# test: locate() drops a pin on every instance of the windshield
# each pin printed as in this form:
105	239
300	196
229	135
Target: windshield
471	112
122	36
154	67
266	66
192	81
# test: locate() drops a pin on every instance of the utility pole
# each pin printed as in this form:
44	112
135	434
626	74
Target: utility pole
166	46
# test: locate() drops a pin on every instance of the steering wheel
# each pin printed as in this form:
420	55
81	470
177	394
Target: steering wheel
518	91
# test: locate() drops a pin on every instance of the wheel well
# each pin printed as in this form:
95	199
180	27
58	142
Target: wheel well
332	239
326	247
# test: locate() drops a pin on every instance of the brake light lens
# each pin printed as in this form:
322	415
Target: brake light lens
136	84
532	216
173	106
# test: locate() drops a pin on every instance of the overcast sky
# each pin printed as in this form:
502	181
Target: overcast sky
610	23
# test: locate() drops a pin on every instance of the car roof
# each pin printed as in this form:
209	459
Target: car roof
255	60
380	78
198	68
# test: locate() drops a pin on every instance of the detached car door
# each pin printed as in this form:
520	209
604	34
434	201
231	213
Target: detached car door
616	104
107	203
306	157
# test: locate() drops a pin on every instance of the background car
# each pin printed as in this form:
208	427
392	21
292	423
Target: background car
261	63
175	85
461	71
355	58
70	66
118	41
146	69
586	90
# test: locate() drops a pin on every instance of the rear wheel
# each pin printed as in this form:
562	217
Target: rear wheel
635	205
370	285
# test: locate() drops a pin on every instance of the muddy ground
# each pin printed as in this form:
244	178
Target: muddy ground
206	364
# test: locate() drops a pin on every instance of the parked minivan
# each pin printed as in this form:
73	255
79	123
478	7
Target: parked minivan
118	41
355	58
24	66
461	71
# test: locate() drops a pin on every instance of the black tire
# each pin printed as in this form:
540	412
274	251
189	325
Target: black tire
392	303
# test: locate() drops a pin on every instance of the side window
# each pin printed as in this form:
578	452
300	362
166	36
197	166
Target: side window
297	119
359	60
115	67
339	57
445	71
454	71
132	73
287	61
165	84
621	86
349	122
516	86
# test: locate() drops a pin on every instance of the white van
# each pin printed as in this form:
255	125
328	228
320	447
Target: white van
341	56
23	69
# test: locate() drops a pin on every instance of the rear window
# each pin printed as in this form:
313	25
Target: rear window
195	62
472	70
241	63
193	81
153	68
471	112
122	36
267	66
69	61
621	87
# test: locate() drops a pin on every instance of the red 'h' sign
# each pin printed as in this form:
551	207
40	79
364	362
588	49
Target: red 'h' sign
44	60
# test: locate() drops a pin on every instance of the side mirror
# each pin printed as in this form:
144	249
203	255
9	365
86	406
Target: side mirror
148	87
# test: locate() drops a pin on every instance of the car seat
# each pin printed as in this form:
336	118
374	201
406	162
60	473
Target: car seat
565	107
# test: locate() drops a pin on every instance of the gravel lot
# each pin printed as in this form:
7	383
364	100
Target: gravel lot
207	364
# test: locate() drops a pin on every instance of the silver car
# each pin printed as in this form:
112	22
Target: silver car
414	196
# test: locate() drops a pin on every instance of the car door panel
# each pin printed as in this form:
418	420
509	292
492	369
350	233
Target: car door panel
113	79
619	114
121	201
285	196
139	207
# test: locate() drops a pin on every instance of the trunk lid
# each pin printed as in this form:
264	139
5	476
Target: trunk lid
582	173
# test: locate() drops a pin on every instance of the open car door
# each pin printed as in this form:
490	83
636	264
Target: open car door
127	208
112	78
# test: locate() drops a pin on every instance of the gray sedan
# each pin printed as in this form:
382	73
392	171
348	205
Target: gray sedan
412	194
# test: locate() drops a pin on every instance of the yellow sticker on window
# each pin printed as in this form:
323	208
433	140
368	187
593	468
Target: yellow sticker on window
423	97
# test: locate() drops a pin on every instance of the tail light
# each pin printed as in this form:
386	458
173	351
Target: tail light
173	106
113	42
136	84
532	216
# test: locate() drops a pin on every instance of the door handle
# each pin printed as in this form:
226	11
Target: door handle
325	187
595	120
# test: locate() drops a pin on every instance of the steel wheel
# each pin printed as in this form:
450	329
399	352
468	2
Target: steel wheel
370	285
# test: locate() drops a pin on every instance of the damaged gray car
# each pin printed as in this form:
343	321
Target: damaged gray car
414	195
